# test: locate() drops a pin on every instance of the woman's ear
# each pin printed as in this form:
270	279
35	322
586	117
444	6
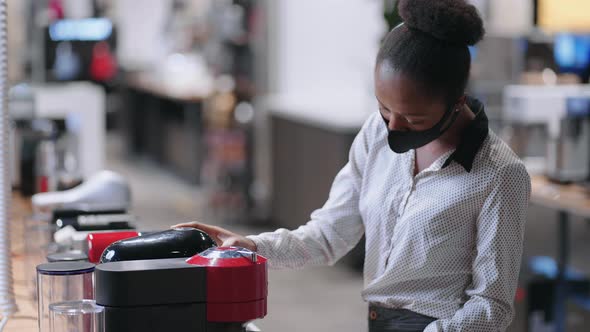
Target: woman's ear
461	103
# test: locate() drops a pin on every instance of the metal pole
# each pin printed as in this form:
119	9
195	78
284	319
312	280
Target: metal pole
561	287
7	300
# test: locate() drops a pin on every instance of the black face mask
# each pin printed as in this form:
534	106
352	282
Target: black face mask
403	141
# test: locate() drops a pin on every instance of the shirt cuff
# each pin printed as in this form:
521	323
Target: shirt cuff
261	246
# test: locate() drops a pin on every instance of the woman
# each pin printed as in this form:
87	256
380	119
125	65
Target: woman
440	198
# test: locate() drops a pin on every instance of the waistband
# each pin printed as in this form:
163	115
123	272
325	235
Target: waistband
377	312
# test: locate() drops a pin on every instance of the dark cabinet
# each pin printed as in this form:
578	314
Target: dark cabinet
305	160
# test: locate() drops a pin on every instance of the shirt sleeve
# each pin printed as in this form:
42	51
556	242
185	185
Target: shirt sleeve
496	264
333	229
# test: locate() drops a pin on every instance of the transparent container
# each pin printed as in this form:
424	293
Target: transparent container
76	316
60	282
38	243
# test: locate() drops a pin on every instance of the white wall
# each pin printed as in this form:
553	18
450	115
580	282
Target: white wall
140	26
510	18
326	47
319	60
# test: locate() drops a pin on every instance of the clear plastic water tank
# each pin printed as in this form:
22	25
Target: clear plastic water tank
60	282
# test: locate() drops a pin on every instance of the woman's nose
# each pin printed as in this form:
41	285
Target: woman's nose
395	122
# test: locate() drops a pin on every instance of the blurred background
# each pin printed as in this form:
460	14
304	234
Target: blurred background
240	113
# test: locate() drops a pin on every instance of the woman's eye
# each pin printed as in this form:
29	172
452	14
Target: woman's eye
384	113
415	122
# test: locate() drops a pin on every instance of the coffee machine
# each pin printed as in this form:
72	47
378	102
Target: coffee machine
178	280
562	112
568	153
100	203
106	190
218	290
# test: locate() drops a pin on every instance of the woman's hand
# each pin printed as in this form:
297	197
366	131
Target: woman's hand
221	236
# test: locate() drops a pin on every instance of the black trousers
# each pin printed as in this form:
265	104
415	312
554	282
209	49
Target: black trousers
396	320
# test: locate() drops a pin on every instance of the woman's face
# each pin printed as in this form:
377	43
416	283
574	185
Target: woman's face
403	104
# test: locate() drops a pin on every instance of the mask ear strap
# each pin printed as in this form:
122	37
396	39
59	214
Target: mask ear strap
453	117
462	101
479	111
455	112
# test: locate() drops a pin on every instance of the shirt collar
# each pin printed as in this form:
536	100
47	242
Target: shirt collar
472	137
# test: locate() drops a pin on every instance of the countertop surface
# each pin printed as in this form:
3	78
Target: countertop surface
571	198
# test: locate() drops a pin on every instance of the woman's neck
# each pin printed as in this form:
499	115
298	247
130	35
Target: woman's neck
452	137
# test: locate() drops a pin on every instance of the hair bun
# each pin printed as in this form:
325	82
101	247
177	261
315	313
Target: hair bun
455	21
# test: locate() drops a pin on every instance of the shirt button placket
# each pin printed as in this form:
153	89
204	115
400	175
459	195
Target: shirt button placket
406	198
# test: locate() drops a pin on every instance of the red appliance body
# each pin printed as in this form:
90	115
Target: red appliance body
246	271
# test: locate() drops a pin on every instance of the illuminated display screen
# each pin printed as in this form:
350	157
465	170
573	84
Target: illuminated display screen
90	29
572	52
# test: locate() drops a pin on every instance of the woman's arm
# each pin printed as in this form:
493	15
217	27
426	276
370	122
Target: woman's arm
332	231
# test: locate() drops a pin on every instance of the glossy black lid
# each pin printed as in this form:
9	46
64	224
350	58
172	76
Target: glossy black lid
172	243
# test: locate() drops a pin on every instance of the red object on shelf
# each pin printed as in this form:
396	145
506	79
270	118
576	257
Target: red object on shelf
103	66
98	242
43	184
237	284
56	9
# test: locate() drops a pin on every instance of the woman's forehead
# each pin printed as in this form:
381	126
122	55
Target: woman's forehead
394	89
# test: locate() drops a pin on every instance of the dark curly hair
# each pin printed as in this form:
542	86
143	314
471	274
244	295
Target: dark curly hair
431	47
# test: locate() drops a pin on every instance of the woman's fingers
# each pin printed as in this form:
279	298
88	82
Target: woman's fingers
221	236
193	224
211	230
214	232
